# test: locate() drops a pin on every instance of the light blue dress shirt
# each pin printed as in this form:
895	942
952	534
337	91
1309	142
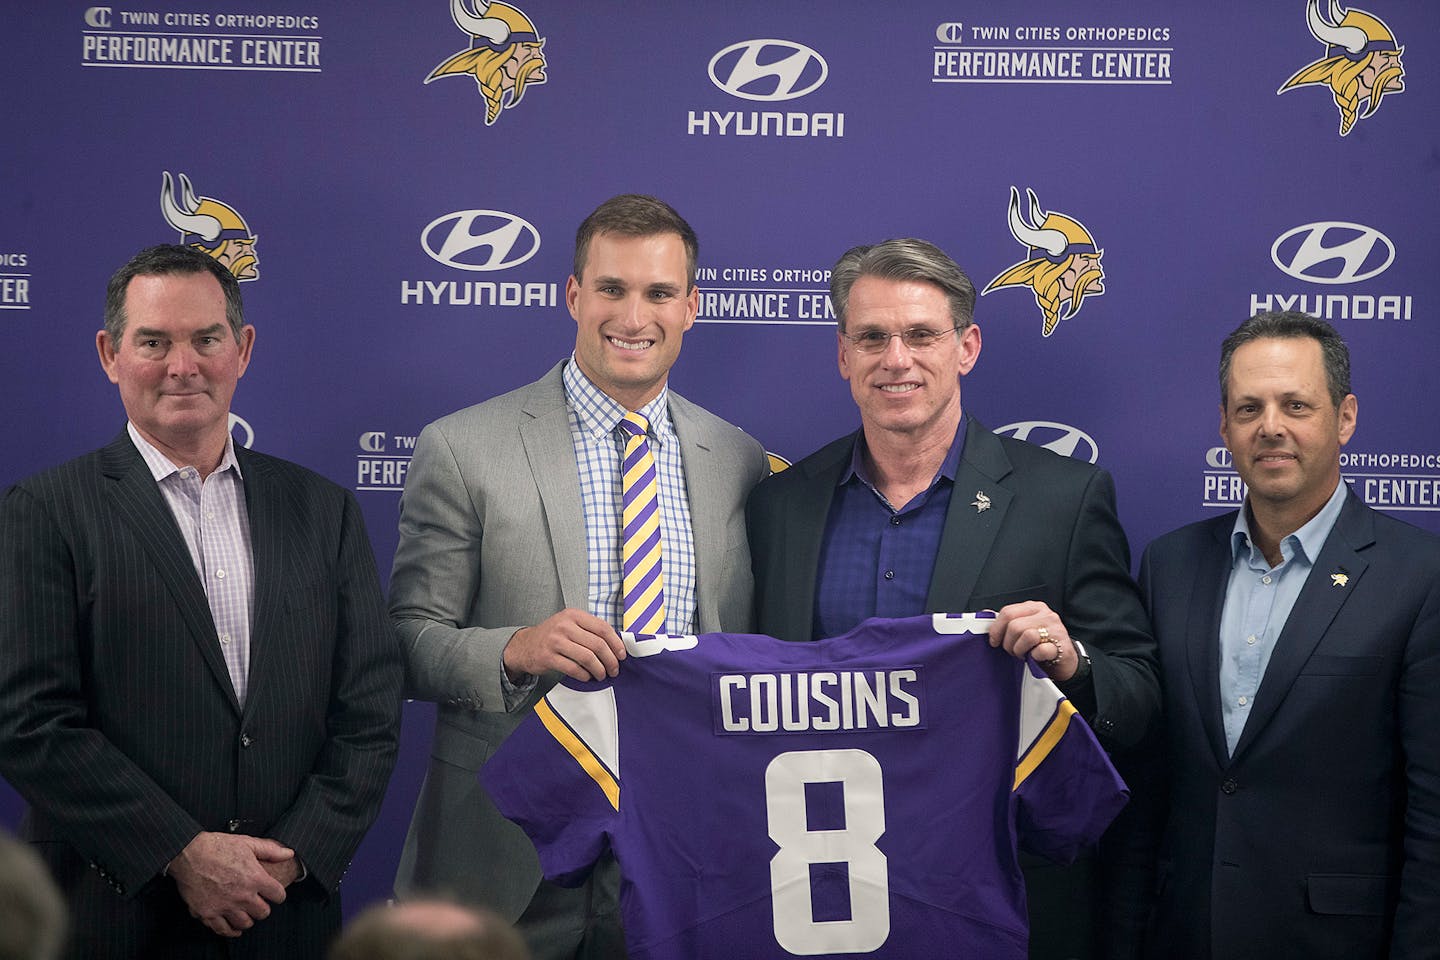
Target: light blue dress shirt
1258	601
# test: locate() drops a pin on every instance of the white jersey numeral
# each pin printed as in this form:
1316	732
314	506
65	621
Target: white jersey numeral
859	776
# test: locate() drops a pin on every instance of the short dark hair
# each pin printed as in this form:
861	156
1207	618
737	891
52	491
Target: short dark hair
636	215
1291	325
903	259
168	258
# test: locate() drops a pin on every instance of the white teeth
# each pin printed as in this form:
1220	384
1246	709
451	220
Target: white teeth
899	387
631	344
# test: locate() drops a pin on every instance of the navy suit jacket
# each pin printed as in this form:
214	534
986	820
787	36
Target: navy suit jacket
118	720
1320	836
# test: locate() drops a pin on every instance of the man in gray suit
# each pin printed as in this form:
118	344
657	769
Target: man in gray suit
508	571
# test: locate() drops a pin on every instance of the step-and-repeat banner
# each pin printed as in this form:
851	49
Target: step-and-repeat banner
397	184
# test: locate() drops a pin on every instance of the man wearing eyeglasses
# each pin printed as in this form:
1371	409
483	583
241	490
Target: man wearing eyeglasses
924	510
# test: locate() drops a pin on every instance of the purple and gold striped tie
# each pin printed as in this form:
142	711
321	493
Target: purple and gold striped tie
642	580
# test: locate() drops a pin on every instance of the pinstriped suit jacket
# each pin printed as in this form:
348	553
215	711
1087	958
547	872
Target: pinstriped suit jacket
492	539
118	721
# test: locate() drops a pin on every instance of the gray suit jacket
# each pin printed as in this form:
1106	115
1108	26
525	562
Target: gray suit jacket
492	539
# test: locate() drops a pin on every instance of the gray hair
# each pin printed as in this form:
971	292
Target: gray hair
903	259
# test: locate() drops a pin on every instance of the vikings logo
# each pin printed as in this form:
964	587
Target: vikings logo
1361	62
212	226
505	54
1063	263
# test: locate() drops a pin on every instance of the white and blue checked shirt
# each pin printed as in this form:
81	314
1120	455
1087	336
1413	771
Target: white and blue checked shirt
594	423
212	518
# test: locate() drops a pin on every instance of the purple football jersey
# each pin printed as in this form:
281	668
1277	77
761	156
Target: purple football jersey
862	795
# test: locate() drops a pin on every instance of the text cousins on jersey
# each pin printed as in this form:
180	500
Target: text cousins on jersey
817	700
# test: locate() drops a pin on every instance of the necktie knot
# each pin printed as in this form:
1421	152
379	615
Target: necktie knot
635	424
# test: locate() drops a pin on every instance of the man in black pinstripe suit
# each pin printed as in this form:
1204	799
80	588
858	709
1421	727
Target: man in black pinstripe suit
199	691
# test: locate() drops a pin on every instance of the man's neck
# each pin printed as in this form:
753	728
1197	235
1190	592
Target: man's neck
902	465
201	452
1271	523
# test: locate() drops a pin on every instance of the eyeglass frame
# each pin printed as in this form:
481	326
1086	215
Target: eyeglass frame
856	339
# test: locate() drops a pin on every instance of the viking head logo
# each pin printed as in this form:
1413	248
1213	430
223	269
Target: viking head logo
505	54
212	226
1361	62
1063	263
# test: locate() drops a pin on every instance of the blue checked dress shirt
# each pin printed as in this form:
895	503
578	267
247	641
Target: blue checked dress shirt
594	428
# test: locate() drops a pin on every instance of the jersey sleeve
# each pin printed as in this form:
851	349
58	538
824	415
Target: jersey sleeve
1066	791
558	777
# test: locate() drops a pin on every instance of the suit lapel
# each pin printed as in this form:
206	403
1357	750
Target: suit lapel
1202	636
970	525
1315	608
801	534
707	522
271	522
139	502
550	454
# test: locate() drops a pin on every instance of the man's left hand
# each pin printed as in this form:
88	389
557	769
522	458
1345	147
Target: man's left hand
1032	629
285	871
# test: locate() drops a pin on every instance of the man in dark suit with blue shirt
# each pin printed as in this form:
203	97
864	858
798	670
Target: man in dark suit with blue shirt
1298	814
924	510
199	689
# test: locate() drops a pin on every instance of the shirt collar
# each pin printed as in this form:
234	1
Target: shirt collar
599	413
1305	542
948	468
161	465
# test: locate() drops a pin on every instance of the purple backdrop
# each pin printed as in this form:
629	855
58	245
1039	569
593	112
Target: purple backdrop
411	257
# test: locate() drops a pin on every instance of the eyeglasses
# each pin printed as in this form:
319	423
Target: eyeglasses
916	338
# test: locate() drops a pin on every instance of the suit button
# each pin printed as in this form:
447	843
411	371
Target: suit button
1229	787
234	825
246	740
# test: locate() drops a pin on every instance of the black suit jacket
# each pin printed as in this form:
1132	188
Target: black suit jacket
1320	836
118	720
1050	533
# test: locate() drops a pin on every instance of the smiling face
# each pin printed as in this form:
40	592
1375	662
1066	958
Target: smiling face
1282	428
902	391
631	308
177	363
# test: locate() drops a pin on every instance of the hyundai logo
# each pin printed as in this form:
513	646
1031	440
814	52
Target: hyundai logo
1219	458
768	70
950	32
480	240
1333	251
1060	438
